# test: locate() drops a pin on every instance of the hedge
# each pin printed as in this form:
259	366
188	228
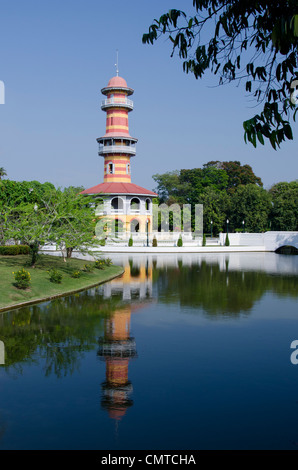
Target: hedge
14	250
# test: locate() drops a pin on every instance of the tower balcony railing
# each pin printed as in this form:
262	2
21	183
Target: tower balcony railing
117	102
117	211
105	149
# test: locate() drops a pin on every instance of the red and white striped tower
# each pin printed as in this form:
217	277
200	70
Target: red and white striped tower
117	146
127	204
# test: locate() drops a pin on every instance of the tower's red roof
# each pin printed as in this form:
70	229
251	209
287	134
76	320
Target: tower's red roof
117	81
119	188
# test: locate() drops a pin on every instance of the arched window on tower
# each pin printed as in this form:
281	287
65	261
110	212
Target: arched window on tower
147	204
111	168
128	169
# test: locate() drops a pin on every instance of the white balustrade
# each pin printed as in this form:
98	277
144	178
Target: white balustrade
117	148
117	102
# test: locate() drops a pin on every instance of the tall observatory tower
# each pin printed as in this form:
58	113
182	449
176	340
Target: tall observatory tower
128	205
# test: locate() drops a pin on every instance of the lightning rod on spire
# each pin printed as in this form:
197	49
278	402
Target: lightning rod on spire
116	65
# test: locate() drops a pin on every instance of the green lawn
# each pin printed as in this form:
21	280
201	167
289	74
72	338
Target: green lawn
41	286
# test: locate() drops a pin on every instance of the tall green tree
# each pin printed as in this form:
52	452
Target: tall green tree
31	225
170	188
200	178
284	213
250	204
241	41
74	226
237	174
216	208
63	217
186	186
14	193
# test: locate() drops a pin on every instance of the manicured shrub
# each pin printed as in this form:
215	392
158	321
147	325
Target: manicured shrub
55	276
76	274
180	241
22	278
204	240
24	249
130	242
9	250
88	268
13	250
227	242
100	264
154	241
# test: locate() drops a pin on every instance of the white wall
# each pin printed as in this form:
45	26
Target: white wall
274	240
270	240
243	239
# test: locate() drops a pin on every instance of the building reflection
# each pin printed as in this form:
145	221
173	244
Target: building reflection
135	283
117	347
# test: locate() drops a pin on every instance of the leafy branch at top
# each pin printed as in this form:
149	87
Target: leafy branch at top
251	41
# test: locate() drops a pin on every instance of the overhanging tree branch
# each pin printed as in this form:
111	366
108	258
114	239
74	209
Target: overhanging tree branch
258	38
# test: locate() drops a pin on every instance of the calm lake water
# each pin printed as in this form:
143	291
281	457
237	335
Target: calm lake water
181	352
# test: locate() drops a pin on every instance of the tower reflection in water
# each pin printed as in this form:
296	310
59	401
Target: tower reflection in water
117	347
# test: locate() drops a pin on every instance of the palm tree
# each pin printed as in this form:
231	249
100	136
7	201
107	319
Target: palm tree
2	172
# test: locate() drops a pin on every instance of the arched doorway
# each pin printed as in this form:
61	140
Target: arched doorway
134	226
118	227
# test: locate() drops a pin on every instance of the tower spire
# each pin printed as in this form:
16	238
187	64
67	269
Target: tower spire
116	65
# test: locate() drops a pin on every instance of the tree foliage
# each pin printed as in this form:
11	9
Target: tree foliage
199	179
250	204
214	186
74	226
237	174
284	214
14	193
185	186
169	187
2	172
216	207
62	217
253	42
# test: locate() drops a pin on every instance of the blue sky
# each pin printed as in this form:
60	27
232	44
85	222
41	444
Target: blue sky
55	58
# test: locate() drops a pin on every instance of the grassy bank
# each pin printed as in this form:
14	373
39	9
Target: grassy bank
41	287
